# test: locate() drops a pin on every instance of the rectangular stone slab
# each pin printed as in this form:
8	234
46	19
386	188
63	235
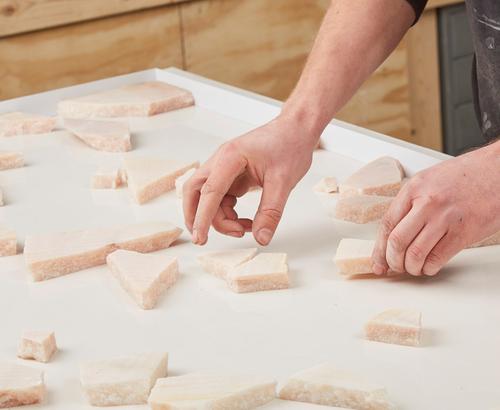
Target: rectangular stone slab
396	326
20	385
56	254
8	242
326	385
21	123
362	209
211	391
354	256
133	100
9	160
122	380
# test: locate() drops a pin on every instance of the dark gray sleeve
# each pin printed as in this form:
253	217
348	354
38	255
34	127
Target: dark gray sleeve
418	7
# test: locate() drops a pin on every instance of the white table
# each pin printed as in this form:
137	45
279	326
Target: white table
202	324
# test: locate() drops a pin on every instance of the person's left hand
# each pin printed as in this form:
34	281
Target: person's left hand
439	212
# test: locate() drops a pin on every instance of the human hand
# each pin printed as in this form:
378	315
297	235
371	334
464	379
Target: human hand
439	212
275	156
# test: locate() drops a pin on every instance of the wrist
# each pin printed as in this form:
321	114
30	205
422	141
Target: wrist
308	122
495	148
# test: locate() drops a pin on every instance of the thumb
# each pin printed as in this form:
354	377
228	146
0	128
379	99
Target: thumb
272	204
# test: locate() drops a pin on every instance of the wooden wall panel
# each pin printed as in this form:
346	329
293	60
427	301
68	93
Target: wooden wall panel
48	59
19	16
259	45
433	4
425	83
262	46
382	103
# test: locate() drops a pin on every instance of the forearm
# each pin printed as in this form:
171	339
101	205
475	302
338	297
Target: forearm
356	36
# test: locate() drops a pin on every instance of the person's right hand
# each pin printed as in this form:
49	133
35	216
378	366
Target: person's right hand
275	156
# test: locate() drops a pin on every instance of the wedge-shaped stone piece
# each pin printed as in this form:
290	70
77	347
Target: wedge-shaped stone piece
396	326
8	242
134	100
327	185
145	277
20	385
354	256
37	345
102	135
180	181
220	263
489	241
9	160
362	209
56	254
326	385
384	177
150	177
20	123
107	178
123	380
267	271
211	391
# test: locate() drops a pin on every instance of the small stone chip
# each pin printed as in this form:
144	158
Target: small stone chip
37	345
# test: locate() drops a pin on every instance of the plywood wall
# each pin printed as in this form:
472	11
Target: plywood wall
259	45
262	46
77	53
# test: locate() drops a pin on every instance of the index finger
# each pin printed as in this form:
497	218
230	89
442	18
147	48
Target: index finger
220	179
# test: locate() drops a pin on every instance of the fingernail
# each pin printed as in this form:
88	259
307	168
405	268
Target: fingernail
194	237
264	236
378	269
236	234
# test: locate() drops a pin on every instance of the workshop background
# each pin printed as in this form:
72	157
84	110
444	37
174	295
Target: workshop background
421	94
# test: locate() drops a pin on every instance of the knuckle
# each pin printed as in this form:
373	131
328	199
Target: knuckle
415	253
433	264
455	217
228	148
414	261
272	213
209	188
386	225
396	242
416	181
434	200
218	226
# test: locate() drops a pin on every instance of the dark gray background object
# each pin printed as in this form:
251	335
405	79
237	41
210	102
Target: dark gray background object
460	128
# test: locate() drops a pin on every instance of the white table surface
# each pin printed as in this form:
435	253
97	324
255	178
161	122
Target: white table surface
201	323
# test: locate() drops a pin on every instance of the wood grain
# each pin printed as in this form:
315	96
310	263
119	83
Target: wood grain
262	46
382	103
425	83
259	45
20	16
44	60
432	4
